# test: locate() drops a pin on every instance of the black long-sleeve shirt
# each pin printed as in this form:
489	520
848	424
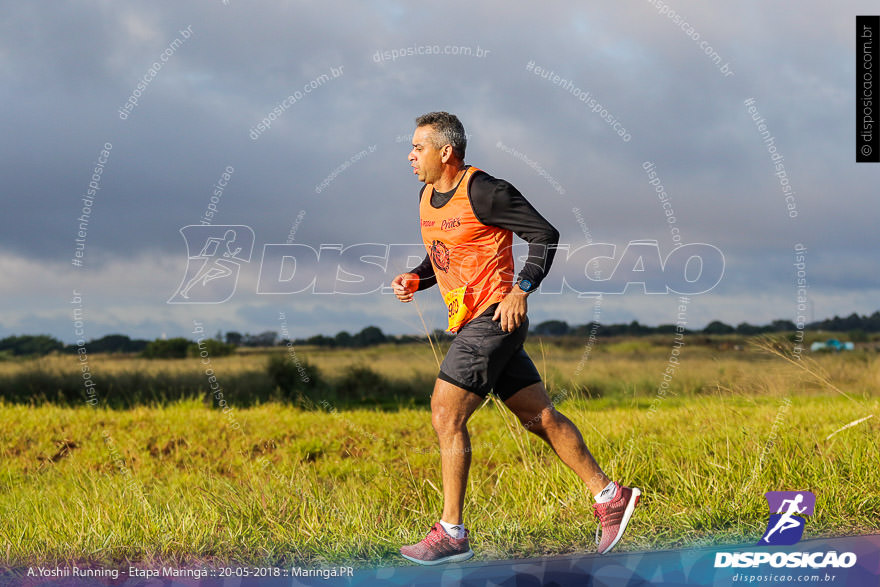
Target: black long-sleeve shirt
497	203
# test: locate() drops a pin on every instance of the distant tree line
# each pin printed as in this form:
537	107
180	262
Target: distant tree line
220	344
852	323
41	344
369	336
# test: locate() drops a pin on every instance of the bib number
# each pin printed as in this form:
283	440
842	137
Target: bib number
458	311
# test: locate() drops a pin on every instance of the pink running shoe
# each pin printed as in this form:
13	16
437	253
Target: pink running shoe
438	547
614	516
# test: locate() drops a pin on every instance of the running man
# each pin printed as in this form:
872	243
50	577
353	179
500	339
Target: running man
787	520
468	219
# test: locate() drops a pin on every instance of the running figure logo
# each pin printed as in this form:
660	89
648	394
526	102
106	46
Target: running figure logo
786	523
212	273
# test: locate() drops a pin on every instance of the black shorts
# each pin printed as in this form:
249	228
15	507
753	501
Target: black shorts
483	357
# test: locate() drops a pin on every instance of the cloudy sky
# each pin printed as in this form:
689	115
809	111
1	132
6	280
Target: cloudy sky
340	84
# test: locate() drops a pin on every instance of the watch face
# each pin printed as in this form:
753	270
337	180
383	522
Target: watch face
525	284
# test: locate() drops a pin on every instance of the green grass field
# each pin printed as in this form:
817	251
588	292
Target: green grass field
277	483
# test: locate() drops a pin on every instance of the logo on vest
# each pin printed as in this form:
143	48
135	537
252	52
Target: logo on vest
440	256
428	222
450	223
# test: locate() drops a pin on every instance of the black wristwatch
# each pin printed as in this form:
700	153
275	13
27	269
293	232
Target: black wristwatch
525	285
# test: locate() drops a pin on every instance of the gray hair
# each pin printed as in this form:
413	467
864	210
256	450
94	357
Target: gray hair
448	130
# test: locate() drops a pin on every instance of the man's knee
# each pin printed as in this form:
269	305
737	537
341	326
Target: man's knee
538	423
439	420
451	407
446	420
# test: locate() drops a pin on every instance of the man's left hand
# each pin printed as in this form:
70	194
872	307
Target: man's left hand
511	311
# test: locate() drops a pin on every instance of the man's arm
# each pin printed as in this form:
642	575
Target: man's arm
407	284
425	271
497	203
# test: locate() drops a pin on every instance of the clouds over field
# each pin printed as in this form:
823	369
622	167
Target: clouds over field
339	85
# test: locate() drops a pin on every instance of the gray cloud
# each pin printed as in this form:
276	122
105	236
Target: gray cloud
65	78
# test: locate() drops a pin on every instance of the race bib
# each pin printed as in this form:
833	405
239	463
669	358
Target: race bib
458	311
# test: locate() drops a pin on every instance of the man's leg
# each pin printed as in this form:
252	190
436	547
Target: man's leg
533	408
615	503
451	407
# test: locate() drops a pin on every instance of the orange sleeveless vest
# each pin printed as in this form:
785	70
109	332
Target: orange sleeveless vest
473	262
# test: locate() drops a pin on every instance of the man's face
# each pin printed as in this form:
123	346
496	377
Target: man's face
425	158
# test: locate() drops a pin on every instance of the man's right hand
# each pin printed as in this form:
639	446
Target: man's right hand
405	285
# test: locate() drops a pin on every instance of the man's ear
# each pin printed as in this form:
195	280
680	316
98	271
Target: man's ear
445	153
